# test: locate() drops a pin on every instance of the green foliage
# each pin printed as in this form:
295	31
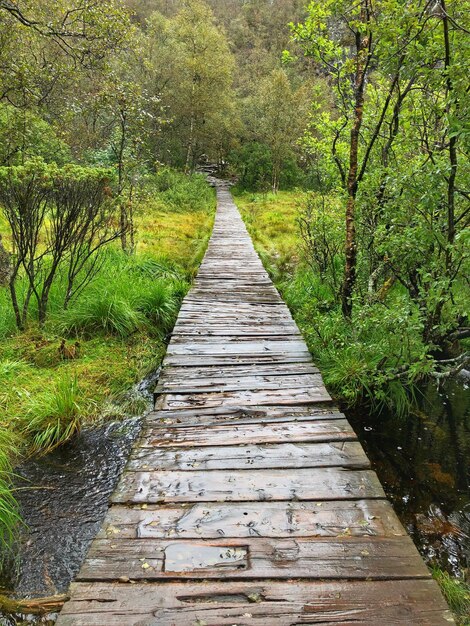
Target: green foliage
457	594
378	357
24	135
9	513
55	415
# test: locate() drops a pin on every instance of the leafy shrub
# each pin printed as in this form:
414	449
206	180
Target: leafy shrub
178	191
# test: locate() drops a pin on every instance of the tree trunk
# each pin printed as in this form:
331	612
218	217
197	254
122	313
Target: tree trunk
122	205
452	143
362	48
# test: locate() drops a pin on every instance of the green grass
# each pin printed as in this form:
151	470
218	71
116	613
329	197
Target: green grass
55	415
457	595
9	513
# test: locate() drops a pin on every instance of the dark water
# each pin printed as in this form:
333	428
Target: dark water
423	462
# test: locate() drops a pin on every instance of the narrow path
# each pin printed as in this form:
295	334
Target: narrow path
248	499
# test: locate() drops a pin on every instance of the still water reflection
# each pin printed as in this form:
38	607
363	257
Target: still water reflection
423	462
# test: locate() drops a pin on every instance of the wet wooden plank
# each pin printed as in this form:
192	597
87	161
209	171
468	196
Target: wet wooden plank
287	396
183	374
239	348
256	359
242	434
236	415
272	519
201	384
319	558
241	485
252	456
265	603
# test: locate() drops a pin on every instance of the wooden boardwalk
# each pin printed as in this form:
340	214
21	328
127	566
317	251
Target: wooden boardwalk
248	499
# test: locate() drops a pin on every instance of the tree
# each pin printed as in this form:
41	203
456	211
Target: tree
59	218
281	115
195	84
394	136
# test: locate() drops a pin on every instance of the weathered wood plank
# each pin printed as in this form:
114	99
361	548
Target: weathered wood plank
242	434
261	456
239	348
183	374
265	603
201	384
242	485
320	558
278	397
236	415
197	360
272	519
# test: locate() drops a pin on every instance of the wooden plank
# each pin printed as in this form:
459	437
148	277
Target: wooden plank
209	342
253	456
242	485
265	603
239	348
353	558
237	415
201	384
247	398
242	434
182	374
198	360
271	519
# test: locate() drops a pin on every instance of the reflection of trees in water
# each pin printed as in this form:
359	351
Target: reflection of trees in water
423	463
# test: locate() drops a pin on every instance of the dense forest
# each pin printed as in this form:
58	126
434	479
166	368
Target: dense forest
344	129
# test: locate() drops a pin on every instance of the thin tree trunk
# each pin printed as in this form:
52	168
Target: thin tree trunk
122	205
362	47
452	143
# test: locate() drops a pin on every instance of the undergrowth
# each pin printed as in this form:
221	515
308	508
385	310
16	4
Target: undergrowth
80	367
359	360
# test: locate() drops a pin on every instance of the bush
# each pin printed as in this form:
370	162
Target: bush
178	191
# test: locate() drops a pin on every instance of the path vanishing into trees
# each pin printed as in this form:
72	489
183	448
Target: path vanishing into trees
248	499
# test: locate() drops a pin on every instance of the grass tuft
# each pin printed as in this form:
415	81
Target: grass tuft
457	595
55	415
103	312
9	511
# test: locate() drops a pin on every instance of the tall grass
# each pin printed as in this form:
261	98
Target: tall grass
9	511
55	415
457	594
